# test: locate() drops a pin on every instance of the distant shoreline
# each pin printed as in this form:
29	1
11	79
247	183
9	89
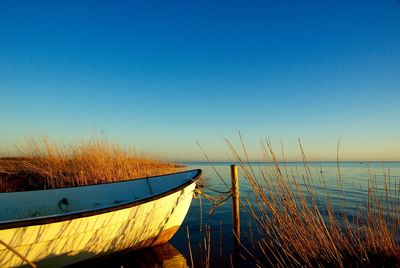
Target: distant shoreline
291	162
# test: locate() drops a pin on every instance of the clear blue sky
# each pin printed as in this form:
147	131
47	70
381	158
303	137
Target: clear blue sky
162	75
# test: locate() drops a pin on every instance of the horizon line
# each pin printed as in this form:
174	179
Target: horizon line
295	161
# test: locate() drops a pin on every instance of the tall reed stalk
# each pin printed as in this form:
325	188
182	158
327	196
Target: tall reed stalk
297	223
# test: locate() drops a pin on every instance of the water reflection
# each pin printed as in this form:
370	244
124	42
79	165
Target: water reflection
164	255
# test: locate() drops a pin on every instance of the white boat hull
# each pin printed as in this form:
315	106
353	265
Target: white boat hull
65	242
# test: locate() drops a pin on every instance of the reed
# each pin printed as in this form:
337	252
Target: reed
203	252
44	164
296	223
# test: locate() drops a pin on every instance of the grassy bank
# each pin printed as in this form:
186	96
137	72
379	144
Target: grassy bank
44	164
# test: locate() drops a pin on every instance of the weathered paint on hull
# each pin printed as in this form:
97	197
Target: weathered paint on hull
63	243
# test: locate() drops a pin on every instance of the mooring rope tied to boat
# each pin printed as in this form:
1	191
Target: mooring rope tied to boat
215	201
220	198
10	248
216	191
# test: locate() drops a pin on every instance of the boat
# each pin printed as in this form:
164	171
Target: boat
58	227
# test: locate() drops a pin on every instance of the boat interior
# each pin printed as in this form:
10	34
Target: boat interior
16	206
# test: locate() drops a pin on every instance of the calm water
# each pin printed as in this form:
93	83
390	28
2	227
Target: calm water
354	175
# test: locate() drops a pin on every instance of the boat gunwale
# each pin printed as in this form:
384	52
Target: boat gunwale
26	222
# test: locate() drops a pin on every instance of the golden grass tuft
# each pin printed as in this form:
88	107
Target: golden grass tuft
298	223
44	164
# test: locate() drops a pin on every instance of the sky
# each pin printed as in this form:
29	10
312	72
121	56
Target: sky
163	76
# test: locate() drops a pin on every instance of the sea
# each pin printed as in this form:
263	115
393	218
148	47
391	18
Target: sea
206	237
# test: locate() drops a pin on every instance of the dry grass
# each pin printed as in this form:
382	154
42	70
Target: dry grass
43	164
299	224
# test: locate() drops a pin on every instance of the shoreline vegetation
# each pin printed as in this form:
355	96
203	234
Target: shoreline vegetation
292	220
43	164
298	218
300	223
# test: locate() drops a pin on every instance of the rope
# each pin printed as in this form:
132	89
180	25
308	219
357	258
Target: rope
215	201
217	191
